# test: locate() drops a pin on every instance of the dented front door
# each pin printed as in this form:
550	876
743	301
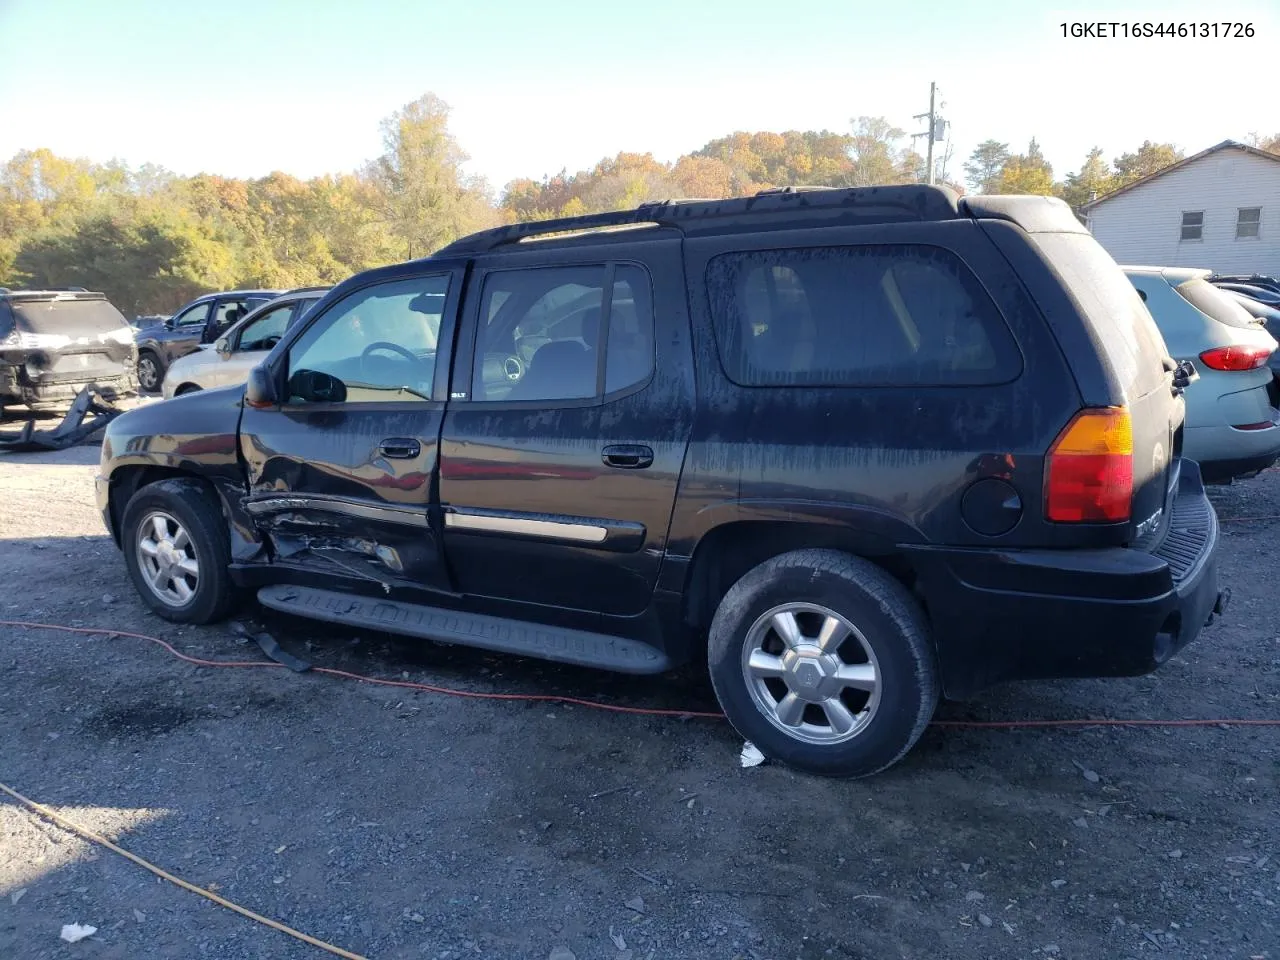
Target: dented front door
341	472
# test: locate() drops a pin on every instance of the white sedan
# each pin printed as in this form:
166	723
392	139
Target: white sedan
240	349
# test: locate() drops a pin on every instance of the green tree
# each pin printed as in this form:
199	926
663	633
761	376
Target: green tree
141	257
1146	160
985	164
1093	179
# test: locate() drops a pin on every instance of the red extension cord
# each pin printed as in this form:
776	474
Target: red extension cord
595	705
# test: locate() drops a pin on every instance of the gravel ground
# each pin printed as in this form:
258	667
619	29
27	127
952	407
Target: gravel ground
401	824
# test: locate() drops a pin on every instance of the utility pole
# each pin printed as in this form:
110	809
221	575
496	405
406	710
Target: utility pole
935	132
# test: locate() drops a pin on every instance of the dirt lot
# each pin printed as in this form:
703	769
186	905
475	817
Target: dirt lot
400	824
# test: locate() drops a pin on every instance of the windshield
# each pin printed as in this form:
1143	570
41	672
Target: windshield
1215	304
70	318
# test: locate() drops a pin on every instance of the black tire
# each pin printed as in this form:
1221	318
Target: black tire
187	388
194	506
150	371
887	620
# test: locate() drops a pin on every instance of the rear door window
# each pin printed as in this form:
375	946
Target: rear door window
883	315
542	337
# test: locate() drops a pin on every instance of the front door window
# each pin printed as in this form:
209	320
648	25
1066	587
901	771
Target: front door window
379	343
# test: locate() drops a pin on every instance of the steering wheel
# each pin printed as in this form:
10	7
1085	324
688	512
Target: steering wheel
393	347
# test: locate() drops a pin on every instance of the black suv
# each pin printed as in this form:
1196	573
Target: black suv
859	448
54	342
203	320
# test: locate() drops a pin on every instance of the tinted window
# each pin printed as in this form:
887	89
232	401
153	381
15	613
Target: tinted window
262	332
379	341
856	316
73	318
541	333
1111	307
629	352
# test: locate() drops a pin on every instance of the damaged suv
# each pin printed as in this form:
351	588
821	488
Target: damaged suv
54	342
857	448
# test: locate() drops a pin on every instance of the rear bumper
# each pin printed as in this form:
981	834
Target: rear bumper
1003	615
18	388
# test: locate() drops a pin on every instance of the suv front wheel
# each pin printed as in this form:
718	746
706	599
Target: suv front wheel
823	661
175	546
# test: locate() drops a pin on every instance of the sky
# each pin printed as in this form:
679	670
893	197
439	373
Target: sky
246	87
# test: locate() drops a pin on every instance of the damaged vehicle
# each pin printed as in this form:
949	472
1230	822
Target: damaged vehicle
53	343
857	448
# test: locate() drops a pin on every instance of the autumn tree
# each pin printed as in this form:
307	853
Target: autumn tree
1146	160
1270	144
1026	172
425	198
141	255
877	160
1093	179
985	164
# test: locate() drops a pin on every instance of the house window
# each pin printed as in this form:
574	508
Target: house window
1248	219
1193	225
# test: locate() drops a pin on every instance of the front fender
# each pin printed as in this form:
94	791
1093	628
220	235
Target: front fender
193	435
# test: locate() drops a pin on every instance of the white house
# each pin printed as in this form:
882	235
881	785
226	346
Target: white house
1219	209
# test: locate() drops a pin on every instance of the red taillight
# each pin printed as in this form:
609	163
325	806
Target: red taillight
1236	357
1089	470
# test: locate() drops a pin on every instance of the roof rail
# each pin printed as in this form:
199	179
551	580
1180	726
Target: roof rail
914	201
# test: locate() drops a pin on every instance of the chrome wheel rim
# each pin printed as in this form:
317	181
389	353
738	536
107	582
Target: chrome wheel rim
811	673
147	373
167	559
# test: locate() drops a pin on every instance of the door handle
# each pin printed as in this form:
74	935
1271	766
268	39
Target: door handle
400	448
627	456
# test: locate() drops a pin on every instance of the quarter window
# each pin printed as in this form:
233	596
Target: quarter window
1248	223
544	336
856	316
380	342
1193	225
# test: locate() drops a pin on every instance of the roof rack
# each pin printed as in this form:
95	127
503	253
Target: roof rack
913	202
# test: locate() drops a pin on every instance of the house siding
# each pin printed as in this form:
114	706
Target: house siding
1144	225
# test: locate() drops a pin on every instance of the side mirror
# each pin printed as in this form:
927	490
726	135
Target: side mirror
168	324
316	386
223	347
259	391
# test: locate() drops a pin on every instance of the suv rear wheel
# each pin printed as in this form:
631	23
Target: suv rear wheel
176	549
823	661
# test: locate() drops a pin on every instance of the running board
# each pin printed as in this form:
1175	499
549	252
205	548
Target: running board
468	629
